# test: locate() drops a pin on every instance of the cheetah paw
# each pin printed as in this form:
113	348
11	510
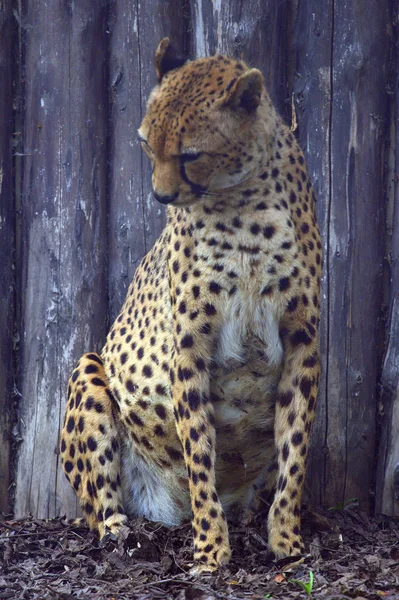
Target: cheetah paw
208	561
116	534
284	547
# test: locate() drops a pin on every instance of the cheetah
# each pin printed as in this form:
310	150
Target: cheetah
203	397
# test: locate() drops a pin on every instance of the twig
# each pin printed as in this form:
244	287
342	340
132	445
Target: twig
34	533
9	527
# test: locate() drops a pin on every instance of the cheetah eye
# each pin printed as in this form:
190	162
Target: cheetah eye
190	156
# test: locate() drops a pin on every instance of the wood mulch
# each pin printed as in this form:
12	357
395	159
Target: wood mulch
350	555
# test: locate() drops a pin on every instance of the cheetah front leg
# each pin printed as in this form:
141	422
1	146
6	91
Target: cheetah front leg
195	328
296	398
89	447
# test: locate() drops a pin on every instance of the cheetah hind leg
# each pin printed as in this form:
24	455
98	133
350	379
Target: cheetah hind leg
89	448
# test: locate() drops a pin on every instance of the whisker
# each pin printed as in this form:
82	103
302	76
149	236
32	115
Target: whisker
212	194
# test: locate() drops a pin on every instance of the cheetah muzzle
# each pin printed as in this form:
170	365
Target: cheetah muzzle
203	396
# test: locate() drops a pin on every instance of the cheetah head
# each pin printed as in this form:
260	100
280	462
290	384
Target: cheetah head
206	127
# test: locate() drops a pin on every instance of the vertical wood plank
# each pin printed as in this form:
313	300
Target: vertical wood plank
7	242
359	129
125	209
387	487
312	95
63	230
135	218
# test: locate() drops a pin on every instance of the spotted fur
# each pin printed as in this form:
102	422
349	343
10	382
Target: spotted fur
204	394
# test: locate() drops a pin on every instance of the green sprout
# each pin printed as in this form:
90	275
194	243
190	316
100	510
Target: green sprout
306	586
347	504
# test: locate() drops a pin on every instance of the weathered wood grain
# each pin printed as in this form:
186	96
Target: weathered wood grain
387	486
387	489
125	206
7	243
312	105
359	129
63	249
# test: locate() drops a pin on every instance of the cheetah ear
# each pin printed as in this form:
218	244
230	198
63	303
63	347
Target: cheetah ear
166	58
245	92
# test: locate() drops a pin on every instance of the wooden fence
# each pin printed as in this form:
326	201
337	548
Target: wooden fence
76	212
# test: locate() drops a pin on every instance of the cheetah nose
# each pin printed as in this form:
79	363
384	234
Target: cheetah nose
165	199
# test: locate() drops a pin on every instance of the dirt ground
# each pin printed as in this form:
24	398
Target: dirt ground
351	556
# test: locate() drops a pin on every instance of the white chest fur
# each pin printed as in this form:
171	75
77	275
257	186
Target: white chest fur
245	318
